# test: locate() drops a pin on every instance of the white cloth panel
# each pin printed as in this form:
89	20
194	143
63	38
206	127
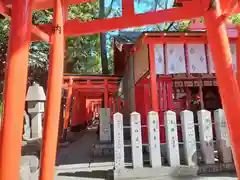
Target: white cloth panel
197	58
210	61
234	58
175	59
159	58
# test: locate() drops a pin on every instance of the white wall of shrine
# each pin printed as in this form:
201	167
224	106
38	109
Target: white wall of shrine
196	57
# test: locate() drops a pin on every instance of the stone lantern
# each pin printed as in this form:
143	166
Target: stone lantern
35	106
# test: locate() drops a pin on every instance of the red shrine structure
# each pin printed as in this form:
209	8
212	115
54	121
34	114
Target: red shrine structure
215	14
183	66
87	92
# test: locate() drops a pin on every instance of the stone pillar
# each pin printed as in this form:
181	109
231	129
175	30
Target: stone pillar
136	140
35	104
172	138
189	138
222	137
154	139
105	132
118	141
206	136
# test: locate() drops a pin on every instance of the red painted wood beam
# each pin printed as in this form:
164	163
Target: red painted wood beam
128	8
226	78
15	90
228	5
36	33
106	95
3	10
74	78
54	93
92	92
153	80
68	106
76	27
99	92
238	56
93	86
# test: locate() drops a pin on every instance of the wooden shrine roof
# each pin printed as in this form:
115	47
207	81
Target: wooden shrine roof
195	29
133	37
124	42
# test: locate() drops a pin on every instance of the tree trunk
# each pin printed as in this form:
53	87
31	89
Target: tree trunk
104	60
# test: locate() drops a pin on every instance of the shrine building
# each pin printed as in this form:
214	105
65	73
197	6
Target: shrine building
182	65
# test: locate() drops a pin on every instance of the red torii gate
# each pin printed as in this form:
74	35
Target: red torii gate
214	12
91	87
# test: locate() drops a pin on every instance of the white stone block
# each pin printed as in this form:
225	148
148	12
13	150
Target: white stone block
136	140
154	139
35	93
189	138
172	138
105	131
222	136
36	126
118	141
27	128
25	173
206	136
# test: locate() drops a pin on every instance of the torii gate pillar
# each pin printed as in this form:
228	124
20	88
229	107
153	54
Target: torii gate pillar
54	93
228	86
15	89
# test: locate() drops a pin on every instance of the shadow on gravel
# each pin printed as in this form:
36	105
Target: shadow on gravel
87	174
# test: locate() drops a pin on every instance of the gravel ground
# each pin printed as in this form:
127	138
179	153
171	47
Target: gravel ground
76	162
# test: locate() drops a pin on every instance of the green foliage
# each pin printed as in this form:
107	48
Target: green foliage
235	19
42	17
5	28
1	108
83	52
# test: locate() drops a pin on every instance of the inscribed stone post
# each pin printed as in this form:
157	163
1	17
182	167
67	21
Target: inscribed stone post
136	140
222	136
35	102
189	138
172	138
105	132
154	139
206	136
118	141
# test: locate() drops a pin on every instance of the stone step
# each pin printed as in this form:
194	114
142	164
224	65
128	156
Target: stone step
28	165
